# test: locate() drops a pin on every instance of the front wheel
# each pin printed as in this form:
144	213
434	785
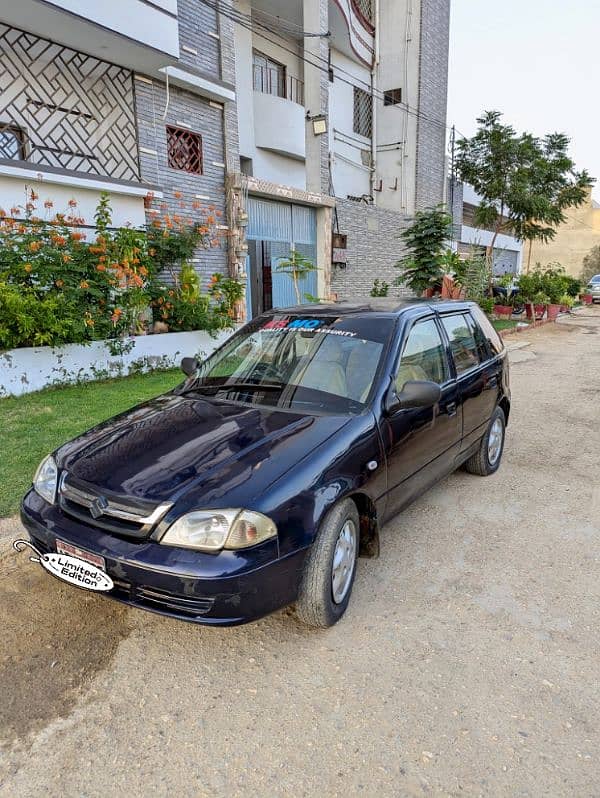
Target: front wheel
330	567
486	459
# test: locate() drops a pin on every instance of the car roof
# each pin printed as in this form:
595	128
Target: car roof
380	305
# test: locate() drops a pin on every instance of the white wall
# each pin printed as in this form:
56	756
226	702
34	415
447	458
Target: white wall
267	165
31	369
143	22
126	209
350	177
399	32
483	238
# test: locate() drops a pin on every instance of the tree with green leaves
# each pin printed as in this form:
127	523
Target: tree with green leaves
297	266
525	183
424	263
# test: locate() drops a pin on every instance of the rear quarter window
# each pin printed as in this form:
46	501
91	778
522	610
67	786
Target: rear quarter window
487	329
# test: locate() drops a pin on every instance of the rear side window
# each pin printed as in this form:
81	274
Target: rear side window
493	339
462	342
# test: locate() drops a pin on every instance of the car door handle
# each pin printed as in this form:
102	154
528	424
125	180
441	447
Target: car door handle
450	409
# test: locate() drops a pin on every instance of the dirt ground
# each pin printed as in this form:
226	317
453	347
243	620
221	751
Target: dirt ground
468	663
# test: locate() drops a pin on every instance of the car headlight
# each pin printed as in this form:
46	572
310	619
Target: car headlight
45	479
213	530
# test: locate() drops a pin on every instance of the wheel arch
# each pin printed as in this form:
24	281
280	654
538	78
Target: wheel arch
369	525
504	405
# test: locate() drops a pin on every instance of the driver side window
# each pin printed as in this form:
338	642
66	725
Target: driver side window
423	357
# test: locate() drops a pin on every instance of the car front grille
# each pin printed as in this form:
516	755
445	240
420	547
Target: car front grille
124	516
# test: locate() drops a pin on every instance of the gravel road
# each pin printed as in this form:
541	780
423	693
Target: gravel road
468	663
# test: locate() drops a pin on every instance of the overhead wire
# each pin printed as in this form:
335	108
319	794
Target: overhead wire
254	26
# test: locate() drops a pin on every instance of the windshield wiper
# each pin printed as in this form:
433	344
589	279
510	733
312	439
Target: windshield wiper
234	386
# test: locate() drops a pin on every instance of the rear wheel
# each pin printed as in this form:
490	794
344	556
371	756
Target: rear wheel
330	568
487	459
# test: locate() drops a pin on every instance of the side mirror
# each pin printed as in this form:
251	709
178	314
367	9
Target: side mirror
420	393
414	394
189	366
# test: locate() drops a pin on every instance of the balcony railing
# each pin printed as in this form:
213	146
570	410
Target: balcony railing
278	83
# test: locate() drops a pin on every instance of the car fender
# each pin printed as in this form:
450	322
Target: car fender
349	464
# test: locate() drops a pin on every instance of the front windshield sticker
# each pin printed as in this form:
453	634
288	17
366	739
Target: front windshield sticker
304	325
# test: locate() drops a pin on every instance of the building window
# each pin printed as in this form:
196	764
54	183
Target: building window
184	150
12	142
392	97
269	76
363	113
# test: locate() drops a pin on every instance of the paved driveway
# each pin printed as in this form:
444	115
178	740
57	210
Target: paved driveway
468	664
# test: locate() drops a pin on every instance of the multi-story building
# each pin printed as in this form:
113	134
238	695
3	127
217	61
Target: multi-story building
470	239
310	125
127	97
342	127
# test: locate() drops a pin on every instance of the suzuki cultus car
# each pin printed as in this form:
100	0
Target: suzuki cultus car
259	480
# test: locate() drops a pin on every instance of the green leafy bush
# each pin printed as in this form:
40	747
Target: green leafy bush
424	264
551	283
62	283
380	289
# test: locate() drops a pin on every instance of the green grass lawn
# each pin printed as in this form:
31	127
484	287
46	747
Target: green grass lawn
31	426
503	324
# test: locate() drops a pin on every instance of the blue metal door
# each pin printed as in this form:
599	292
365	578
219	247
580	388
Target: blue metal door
279	228
284	291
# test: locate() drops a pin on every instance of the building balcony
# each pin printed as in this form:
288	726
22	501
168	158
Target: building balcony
141	35
352	26
279	125
279	115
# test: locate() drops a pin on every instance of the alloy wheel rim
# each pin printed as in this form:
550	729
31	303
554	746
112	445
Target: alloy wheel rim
344	557
495	441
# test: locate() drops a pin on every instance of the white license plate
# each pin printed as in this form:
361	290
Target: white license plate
74	551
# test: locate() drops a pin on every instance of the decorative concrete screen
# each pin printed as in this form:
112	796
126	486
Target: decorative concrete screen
64	109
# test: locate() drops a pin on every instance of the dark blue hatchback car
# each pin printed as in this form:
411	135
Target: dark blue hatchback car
260	479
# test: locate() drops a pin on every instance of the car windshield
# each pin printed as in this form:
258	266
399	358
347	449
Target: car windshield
595	279
305	363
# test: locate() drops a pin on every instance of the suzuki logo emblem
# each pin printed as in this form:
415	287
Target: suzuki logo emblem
98	506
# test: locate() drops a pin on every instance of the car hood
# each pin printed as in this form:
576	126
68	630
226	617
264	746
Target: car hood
167	447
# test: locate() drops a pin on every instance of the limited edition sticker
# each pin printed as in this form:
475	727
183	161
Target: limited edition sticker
70	569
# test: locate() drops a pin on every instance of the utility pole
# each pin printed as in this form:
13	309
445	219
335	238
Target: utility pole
452	175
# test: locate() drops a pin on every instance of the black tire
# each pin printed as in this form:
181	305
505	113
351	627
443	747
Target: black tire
479	463
316	605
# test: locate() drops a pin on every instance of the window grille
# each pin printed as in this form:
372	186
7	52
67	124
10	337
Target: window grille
392	97
184	150
363	113
12	142
366	8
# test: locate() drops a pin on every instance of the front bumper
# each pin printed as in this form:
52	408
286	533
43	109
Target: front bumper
217	589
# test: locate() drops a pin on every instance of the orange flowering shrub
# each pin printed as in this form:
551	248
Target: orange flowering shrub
62	281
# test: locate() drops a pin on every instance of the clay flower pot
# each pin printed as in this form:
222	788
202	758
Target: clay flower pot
587	299
503	310
534	312
553	311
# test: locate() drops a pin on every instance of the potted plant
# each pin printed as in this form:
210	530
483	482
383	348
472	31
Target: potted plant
539	302
501	308
424	263
566	303
554	284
